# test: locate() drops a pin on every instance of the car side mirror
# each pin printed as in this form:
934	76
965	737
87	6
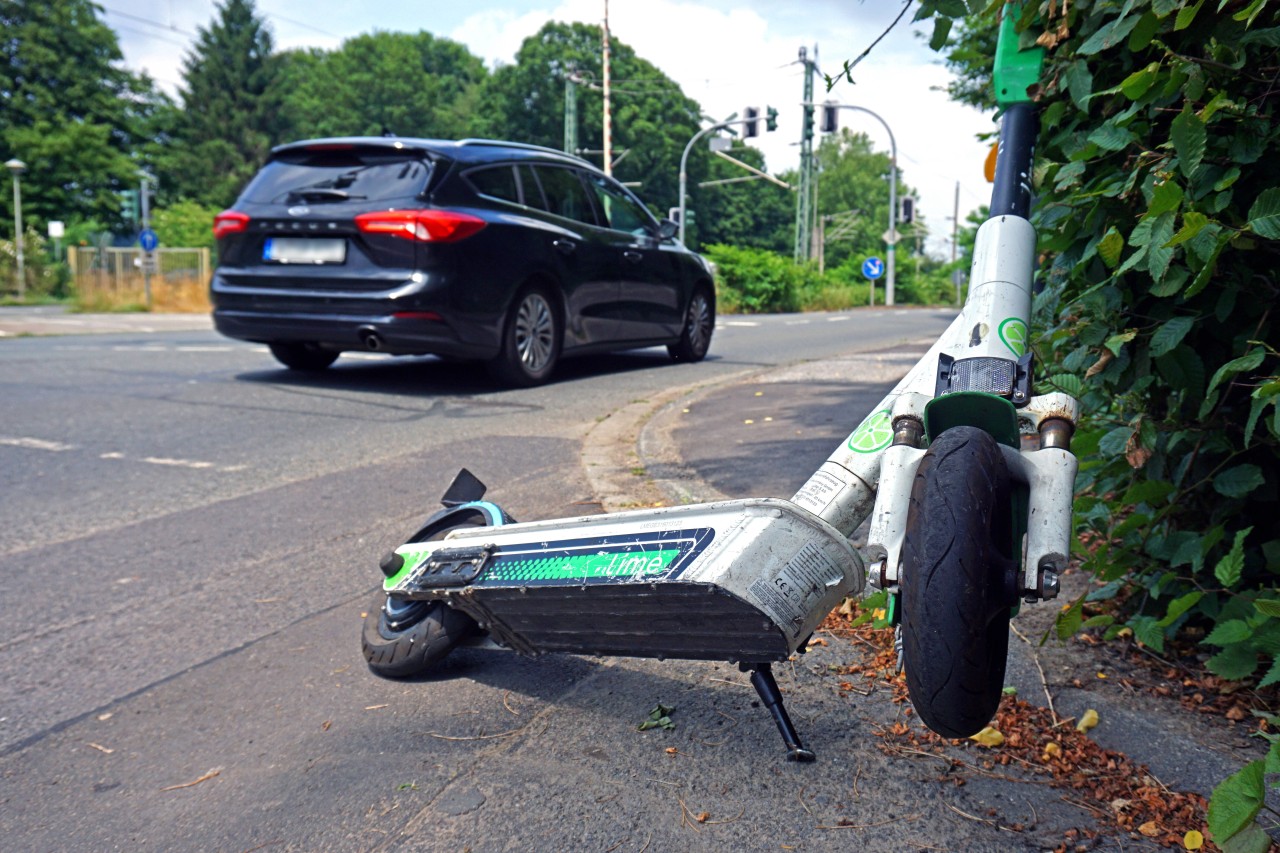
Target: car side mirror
667	230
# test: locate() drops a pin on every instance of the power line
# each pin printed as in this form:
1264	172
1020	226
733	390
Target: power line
149	22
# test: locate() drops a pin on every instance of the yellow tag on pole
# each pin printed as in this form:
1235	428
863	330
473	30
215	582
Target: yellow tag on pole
989	167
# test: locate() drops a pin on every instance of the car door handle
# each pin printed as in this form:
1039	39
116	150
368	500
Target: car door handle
564	247
633	256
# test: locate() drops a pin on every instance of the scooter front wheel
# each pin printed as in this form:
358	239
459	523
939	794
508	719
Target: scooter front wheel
957	582
403	638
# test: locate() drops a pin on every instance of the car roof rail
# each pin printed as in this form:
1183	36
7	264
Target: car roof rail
527	146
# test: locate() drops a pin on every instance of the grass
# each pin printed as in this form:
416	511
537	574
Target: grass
177	296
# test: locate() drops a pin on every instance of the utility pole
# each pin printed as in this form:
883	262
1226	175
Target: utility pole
144	195
804	200
571	113
608	126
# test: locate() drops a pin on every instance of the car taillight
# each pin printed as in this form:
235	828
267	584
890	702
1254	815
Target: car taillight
229	222
427	226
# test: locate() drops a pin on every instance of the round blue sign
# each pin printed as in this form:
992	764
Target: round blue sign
148	240
873	268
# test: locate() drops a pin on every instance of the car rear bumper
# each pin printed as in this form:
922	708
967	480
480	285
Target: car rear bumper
400	321
394	335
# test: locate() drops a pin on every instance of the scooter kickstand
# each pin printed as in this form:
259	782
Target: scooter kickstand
763	681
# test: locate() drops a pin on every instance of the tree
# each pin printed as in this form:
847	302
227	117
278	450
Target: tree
68	110
757	214
652	118
853	186
1159	215
230	109
401	83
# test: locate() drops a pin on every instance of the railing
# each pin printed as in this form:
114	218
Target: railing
114	278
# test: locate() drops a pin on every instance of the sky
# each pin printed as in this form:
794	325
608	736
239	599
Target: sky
726	54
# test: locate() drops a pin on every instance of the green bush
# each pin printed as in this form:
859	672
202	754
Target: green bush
46	279
755	281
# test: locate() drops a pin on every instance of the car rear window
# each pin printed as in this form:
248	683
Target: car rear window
330	176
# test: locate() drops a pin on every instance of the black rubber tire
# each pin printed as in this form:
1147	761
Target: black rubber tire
435	630
958	582
531	340
699	323
302	356
401	638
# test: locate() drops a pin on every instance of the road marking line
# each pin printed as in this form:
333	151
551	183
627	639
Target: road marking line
836	319
797	322
205	349
36	444
180	463
364	356
742	323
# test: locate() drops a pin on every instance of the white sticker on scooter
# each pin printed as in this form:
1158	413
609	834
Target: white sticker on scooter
791	595
817	494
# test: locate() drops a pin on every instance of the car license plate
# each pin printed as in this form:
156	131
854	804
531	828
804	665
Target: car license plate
301	250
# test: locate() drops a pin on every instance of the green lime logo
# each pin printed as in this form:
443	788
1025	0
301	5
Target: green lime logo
1014	334
872	434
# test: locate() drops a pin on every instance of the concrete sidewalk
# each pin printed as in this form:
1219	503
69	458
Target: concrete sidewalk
42	320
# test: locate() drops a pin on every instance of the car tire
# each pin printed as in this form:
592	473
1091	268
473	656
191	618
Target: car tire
699	323
303	356
531	340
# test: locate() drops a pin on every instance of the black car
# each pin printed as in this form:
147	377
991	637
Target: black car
474	249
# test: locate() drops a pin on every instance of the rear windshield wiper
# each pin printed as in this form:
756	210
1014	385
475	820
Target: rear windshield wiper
318	195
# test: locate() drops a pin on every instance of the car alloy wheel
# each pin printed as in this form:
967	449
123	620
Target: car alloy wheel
535	332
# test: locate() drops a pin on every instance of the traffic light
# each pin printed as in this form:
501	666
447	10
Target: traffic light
129	206
830	117
770	119
751	122
908	210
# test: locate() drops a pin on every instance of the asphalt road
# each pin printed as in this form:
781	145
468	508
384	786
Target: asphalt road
190	539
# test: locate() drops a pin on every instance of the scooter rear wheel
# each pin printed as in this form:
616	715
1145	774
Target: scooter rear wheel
958	582
403	638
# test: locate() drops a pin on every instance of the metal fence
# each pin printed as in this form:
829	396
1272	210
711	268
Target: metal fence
114	278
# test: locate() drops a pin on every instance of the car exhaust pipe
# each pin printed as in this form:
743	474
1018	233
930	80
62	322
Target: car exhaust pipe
371	339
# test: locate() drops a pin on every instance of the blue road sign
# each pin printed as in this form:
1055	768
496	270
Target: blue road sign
148	240
873	268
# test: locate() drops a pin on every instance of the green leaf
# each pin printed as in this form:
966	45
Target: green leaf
1109	35
1115	343
1272	676
1192	224
1067	383
1136	84
1186	15
1264	215
1079	80
1189	138
1150	492
1110	247
1268	606
1109	137
1234	663
1237	800
1147	631
1238	481
1231	566
1179	606
1070	620
941	29
1170	334
1255	412
1115	441
1229	633
1251	839
1248	361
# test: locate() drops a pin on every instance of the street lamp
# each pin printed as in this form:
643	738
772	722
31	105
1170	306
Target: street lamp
17	167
